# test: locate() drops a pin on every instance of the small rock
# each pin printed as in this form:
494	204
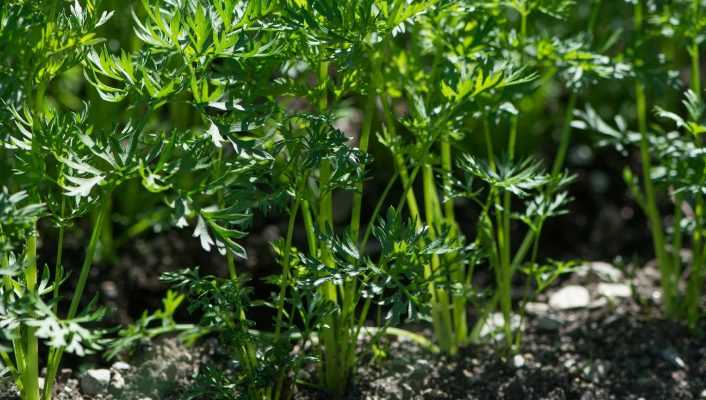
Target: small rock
614	290
495	324
518	361
570	363
600	271
537	308
110	290
95	381
65	373
117	382
120	366
569	297
673	358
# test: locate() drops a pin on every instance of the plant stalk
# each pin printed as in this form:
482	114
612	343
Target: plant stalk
56	354
653	214
30	372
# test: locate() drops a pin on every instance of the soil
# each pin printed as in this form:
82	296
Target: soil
607	353
613	348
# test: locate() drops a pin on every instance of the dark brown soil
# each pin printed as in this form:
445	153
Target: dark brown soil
604	353
609	350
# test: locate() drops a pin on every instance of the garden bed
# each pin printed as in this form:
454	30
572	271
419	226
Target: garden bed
615	346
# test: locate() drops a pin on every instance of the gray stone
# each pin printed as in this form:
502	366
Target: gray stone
614	290
494	325
518	361
569	297
600	271
117	382
671	356
537	308
95	381
120	366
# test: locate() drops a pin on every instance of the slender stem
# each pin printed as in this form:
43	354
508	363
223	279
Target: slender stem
376	210
134	141
694	52
58	270
87	262
457	272
523	33
565	136
309	227
284	280
677	239
488	144
230	259
56	354
30	373
595	12
406	180
506	244
653	215
363	147
445	334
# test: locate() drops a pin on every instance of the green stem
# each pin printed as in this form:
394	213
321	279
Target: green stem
309	227
694	52
376	211
230	259
30	373
335	337
445	334
653	214
523	33
565	136
458	274
87	262
488	144
677	240
56	354
595	12
363	147
284	280
58	270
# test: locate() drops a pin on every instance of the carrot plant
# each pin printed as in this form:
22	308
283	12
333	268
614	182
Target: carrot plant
462	76
264	155
53	157
670	160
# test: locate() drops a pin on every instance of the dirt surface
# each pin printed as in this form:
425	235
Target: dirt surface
615	349
608	353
